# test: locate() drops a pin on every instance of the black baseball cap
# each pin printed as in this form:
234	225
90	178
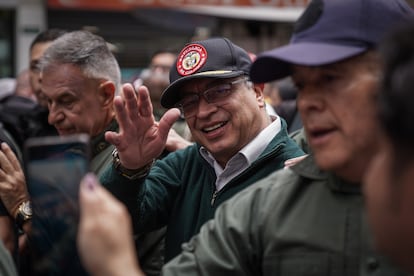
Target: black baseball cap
211	58
330	31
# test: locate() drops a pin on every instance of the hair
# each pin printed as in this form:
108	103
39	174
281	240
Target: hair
47	36
88	51
396	97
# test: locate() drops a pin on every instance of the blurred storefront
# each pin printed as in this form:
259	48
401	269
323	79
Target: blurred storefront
20	21
136	28
7	19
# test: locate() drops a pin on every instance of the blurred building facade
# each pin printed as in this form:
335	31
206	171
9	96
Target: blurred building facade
137	28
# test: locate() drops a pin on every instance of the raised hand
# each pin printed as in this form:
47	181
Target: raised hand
140	138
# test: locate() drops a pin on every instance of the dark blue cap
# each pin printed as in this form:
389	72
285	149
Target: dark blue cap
330	31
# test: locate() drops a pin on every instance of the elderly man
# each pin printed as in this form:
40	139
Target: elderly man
315	223
310	219
80	78
237	142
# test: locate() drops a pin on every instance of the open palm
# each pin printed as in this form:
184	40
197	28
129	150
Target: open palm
140	138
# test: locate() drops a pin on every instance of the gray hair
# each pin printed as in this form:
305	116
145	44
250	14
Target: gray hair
88	51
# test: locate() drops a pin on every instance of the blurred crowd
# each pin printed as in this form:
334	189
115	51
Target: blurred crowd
216	160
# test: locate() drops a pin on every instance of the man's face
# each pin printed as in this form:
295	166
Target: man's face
76	104
35	54
389	193
162	63
337	107
226	127
158	78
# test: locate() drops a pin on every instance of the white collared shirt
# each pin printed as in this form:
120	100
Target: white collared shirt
244	158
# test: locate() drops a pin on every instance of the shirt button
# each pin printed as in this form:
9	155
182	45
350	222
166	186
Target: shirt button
372	263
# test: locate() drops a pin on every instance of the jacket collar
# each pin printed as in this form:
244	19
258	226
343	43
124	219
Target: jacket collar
308	168
98	143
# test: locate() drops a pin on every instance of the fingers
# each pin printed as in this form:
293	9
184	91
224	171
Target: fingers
10	156
167	120
131	102
137	107
145	102
5	162
113	138
104	229
120	111
92	196
133	113
88	194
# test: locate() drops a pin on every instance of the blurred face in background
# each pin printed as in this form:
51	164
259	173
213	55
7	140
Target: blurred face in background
35	54
162	62
157	77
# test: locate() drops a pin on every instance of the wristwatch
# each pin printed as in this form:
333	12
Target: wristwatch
128	173
24	214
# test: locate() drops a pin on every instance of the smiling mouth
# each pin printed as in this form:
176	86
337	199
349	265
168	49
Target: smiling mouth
212	128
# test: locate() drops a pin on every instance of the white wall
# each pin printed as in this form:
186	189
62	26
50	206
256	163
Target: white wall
30	20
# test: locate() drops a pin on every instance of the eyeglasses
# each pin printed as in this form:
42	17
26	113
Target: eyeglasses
214	95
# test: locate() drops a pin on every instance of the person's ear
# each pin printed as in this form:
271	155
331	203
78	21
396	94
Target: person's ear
106	93
258	89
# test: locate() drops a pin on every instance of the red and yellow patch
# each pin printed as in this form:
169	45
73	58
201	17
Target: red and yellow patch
191	58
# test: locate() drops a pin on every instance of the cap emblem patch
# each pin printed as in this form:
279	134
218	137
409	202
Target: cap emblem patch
191	58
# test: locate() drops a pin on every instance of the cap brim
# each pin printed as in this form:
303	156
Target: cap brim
170	97
276	64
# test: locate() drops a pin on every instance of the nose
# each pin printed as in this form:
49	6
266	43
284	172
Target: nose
308	99
204	108
55	115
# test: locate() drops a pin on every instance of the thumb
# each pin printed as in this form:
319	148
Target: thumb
166	122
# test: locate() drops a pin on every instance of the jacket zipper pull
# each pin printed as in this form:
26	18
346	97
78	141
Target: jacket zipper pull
214	197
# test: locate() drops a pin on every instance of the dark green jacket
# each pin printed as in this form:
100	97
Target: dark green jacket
179	190
101	151
150	245
299	221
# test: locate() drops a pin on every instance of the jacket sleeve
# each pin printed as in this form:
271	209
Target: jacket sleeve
230	243
149	199
241	234
123	189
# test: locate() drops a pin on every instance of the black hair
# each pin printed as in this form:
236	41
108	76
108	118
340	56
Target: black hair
47	35
396	96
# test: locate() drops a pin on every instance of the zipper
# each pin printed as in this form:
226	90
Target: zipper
247	173
214	197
